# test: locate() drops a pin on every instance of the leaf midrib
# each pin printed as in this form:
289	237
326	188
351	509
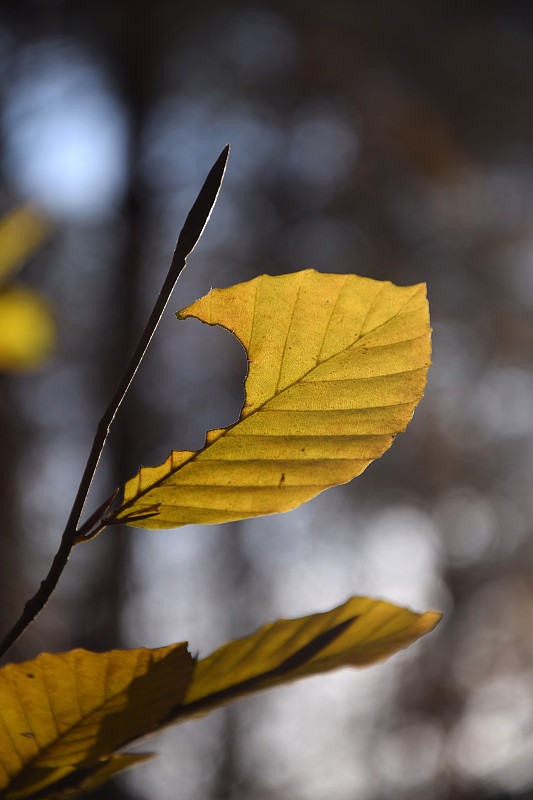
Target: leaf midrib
82	720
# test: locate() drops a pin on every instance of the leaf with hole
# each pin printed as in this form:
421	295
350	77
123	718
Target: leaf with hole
337	364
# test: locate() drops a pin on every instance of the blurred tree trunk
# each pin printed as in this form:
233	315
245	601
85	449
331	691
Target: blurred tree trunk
243	598
133	52
14	589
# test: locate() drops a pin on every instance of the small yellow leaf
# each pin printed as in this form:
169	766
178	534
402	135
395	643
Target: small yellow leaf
337	364
21	232
358	633
71	711
27	329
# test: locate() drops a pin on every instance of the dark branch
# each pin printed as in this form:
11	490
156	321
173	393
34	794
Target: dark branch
190	233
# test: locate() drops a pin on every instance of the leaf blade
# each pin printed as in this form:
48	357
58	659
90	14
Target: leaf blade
360	632
63	712
333	360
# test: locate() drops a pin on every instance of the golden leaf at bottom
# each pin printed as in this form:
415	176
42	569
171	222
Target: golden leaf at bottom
72	711
63	717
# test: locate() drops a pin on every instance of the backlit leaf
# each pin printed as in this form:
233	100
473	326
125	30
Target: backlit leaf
67	713
337	364
358	633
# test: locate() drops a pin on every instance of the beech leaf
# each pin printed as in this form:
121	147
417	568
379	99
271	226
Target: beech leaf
337	364
64	716
69	713
356	634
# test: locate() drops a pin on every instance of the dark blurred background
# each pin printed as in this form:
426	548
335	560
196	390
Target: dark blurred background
393	140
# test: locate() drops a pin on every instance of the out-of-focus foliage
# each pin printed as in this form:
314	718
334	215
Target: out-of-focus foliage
21	232
27	328
64	716
337	364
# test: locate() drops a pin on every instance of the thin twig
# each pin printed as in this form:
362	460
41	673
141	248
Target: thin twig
187	240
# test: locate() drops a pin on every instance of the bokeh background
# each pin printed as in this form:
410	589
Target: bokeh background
394	140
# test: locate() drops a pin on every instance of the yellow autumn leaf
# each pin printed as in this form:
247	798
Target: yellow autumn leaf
27	329
358	633
337	364
72	711
21	232
64	716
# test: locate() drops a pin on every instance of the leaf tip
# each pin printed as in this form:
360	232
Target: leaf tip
203	205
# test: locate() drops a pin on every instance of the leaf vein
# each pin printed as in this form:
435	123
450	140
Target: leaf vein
326	329
287	333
